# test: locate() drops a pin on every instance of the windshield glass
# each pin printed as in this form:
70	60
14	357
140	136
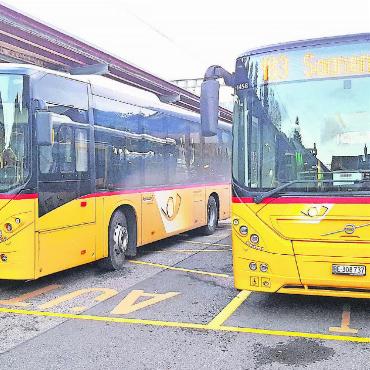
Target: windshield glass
305	115
13	132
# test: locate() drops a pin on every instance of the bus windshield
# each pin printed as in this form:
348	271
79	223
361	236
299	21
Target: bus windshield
13	132
305	116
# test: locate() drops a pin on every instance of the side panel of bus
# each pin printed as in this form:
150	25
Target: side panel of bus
164	158
65	224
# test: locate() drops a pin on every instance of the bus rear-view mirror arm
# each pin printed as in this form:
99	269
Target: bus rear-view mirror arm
209	98
44	128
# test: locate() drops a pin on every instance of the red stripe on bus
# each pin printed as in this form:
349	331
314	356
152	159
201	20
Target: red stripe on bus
18	196
305	200
150	190
118	192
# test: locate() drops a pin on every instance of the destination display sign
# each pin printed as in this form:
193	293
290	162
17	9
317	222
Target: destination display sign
314	62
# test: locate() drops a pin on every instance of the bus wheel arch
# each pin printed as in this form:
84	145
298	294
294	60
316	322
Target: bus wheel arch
130	214
122	238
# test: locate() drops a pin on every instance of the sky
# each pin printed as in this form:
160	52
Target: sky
180	39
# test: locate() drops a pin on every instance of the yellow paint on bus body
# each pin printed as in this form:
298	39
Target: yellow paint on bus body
299	243
76	233
18	246
187	325
130	303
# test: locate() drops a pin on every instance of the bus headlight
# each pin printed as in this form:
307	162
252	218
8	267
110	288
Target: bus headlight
8	227
263	267
253	266
243	230
254	238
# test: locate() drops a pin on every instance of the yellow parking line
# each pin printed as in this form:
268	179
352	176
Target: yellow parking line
205	243
293	334
229	309
187	325
193	250
166	267
20	300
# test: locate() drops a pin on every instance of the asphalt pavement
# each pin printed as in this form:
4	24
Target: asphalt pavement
174	307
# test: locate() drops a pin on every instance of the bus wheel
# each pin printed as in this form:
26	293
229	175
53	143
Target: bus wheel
212	217
118	239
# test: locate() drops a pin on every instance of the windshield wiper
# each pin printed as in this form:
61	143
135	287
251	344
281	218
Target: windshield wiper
260	197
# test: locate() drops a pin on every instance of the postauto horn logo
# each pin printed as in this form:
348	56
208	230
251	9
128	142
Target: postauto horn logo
172	207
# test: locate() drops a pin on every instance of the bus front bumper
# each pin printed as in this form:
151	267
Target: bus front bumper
298	274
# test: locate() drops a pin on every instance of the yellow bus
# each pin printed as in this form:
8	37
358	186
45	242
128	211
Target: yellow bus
301	166
91	169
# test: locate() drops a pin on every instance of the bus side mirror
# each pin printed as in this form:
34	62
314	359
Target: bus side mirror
44	128
209	101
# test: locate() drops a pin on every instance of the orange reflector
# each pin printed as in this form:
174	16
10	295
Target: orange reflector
83	251
83	204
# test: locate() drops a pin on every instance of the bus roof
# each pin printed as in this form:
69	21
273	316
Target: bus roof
108	88
308	43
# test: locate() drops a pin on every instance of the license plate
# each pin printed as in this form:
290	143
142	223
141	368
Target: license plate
349	270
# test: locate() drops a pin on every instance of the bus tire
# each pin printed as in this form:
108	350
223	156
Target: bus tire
118	241
212	217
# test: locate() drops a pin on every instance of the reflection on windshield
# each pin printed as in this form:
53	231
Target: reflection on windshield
303	129
13	132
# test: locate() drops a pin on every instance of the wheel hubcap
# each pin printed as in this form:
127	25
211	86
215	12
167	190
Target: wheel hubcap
120	238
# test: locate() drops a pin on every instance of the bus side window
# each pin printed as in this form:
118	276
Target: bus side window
195	153
225	145
66	155
119	146
255	145
81	150
48	158
75	114
177	131
62	93
211	165
154	148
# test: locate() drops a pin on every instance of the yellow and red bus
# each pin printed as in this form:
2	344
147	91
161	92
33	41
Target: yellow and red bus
91	169
301	166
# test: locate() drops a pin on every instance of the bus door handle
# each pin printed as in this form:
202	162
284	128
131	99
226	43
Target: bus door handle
148	198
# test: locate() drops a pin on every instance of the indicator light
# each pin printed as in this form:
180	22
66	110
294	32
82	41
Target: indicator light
243	230
236	221
253	266
255	238
17	220
8	227
263	267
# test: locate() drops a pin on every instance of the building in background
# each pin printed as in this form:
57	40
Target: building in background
193	85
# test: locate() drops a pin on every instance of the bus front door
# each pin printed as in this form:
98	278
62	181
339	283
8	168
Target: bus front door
66	215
